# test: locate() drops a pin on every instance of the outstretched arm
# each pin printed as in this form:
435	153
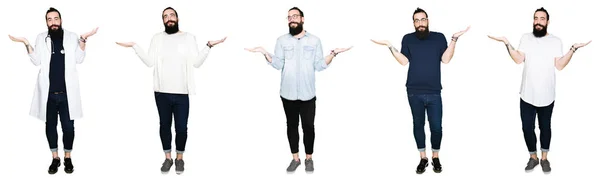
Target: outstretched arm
517	56
397	55
561	62
449	53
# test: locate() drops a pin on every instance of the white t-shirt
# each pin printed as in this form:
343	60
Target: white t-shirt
539	82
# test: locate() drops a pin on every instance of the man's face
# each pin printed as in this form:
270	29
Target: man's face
295	22
294	19
169	18
53	21
540	24
420	22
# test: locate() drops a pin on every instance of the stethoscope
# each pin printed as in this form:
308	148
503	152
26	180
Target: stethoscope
62	51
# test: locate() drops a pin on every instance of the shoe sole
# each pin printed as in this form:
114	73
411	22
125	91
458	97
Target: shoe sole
546	171
52	173
69	172
178	172
530	170
437	171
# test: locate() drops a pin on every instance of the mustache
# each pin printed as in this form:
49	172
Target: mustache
539	25
171	21
54	26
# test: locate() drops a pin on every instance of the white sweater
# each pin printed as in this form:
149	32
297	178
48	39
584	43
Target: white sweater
173	57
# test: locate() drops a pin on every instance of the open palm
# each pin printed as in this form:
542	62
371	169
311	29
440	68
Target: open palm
126	44
340	50
460	33
500	39
381	42
579	45
88	34
216	42
256	49
17	39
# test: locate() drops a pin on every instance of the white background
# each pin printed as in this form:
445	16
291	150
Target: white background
363	124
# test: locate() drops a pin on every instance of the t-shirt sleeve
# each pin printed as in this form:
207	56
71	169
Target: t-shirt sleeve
559	48
444	44
404	50
523	44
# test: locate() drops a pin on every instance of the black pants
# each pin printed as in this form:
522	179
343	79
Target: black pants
294	111
57	106
169	106
544	114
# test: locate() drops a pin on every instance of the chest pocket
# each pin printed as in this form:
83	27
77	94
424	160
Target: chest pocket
308	52
288	52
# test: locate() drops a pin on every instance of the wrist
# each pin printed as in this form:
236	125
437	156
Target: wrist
573	48
333	53
209	45
82	39
454	38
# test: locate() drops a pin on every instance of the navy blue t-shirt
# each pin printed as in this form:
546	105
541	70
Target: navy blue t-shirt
57	66
425	57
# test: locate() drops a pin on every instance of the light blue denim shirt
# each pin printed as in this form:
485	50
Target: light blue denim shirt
298	59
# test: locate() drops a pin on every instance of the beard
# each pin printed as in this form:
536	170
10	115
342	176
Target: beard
422	34
55	33
540	33
297	30
172	29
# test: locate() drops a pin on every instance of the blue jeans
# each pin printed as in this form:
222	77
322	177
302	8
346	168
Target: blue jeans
56	107
432	105
544	114
173	106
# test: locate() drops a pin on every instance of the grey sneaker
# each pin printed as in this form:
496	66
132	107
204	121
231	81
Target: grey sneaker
532	163
546	166
179	166
166	166
310	166
293	165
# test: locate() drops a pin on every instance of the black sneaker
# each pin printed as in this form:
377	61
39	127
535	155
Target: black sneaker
68	165
54	166
422	165
437	166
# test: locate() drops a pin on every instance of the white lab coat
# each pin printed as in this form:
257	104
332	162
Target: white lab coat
41	57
